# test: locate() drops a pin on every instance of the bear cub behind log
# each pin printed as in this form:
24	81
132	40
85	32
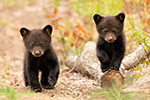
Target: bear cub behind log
39	56
111	41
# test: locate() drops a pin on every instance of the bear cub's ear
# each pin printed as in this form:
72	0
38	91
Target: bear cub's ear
121	17
24	31
48	29
97	18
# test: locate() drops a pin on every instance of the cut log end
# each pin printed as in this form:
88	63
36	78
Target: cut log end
112	77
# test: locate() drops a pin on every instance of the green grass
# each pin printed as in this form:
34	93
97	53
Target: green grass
117	94
10	93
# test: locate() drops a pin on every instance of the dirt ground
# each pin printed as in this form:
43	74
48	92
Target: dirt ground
70	86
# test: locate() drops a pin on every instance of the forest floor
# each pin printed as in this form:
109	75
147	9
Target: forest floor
70	86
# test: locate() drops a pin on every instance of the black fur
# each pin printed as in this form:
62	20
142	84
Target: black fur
111	41
39	56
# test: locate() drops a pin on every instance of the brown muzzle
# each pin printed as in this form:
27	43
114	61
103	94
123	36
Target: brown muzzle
110	37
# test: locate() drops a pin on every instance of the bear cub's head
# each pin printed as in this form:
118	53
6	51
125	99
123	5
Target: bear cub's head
37	41
109	27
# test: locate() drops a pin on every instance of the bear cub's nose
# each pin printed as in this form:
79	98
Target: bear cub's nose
111	40
37	53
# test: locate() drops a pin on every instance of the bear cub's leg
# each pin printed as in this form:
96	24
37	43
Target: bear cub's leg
33	80
49	78
104	59
44	78
26	81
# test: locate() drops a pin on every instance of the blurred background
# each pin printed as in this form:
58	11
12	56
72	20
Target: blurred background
73	26
72	21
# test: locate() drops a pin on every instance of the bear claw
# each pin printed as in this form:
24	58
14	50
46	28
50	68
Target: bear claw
37	90
47	87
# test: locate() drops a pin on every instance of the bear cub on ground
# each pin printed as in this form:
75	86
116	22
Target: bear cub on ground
39	56
111	41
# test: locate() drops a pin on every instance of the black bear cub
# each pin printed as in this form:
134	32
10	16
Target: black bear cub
39	56
111	41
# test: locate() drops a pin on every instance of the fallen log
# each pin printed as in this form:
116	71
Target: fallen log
88	64
135	58
112	77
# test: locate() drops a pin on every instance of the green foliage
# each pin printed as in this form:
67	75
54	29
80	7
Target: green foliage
13	3
137	72
86	9
9	92
10	3
89	7
70	41
143	38
117	94
3	57
54	3
29	94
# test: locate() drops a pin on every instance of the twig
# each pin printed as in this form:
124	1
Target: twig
73	66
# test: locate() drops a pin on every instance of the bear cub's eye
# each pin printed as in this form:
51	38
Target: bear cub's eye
32	44
105	30
41	44
114	30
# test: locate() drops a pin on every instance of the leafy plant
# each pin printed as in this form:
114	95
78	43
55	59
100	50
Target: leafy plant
8	92
139	37
117	94
142	38
72	41
79	36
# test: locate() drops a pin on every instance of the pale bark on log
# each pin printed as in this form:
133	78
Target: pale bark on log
135	58
88	64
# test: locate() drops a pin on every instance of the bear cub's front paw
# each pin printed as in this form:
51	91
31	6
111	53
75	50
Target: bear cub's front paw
36	89
48	85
